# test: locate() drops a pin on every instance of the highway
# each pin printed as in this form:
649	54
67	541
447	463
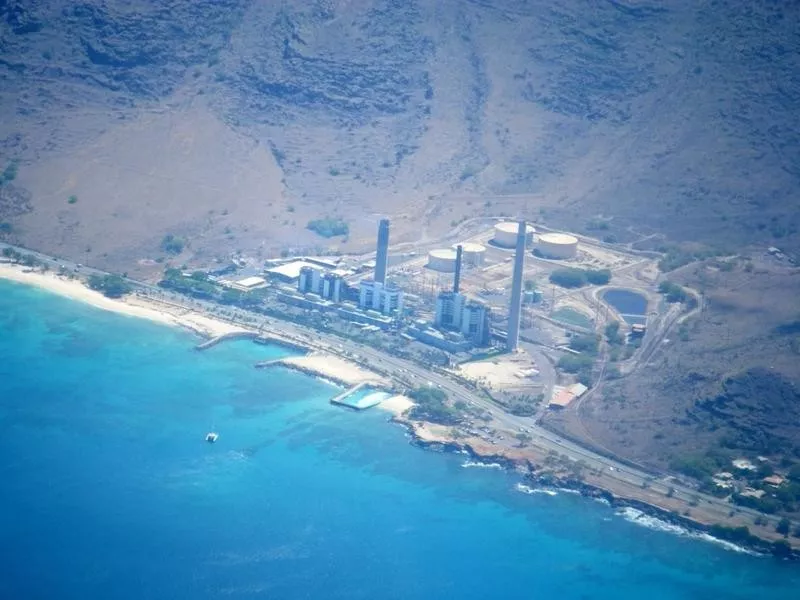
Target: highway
410	374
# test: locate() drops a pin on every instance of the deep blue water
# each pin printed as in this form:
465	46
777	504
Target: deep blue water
632	306
109	490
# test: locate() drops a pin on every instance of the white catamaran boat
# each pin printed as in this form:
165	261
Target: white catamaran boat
212	437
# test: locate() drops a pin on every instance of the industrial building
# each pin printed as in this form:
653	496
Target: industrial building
474	255
443	260
328	285
449	309
559	246
386	299
475	323
310	280
382	253
248	284
505	234
290	272
566	395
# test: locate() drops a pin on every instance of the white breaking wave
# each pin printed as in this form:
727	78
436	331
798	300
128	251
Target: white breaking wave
639	517
526	489
480	465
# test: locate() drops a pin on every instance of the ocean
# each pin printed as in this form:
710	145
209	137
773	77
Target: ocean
110	491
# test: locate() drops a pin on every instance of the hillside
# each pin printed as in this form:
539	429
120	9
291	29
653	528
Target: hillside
234	122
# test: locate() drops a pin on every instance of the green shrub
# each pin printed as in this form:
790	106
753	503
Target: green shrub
431	405
172	244
568	278
112	286
328	227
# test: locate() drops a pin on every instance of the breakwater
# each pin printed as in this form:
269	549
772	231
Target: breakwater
234	335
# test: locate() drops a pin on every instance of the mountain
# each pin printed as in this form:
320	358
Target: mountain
234	122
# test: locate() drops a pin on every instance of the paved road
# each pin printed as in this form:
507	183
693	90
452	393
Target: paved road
412	374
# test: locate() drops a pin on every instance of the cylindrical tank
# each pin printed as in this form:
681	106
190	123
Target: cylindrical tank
505	234
443	260
472	254
557	245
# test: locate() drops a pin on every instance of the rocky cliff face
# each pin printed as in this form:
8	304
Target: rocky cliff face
680	118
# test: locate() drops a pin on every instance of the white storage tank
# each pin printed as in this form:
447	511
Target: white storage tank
443	260
557	245
505	234
472	254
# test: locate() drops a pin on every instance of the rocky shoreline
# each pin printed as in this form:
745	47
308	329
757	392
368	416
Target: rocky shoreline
541	477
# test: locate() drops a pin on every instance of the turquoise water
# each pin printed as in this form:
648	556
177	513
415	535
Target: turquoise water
109	490
632	306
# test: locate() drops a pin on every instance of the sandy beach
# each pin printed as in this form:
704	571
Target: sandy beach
333	368
132	305
397	405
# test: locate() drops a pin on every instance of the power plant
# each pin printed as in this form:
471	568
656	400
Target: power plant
515	306
382	254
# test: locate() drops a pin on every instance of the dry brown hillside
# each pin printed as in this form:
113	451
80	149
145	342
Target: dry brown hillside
233	122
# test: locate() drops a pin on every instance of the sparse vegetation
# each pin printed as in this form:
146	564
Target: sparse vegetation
575	278
329	227
431	405
173	244
6	227
673	292
614	337
10	172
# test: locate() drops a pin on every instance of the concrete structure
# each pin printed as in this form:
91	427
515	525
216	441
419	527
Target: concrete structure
248	284
442	260
475	323
455	312
310	280
474	255
449	342
457	276
557	245
367	318
567	395
382	254
505	234
386	299
332	287
449	307
289	272
515	305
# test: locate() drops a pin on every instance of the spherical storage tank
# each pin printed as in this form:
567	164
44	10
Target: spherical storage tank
557	245
472	254
443	260
505	234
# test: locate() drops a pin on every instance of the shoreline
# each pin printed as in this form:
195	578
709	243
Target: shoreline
432	437
132	305
332	367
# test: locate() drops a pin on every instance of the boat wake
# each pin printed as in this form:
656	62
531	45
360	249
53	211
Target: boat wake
470	464
639	517
526	489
